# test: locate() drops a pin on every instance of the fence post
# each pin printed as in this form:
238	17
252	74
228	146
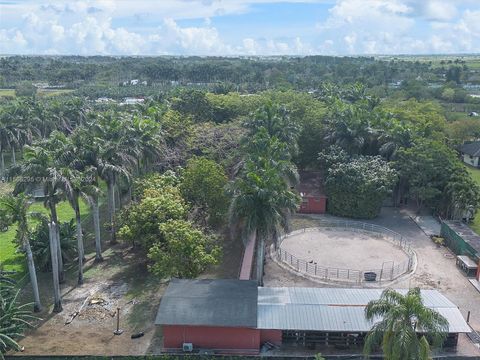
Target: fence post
298	264
315	269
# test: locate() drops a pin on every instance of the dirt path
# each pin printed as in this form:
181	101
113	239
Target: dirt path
121	281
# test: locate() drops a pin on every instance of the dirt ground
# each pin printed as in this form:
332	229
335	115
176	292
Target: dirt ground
344	249
86	324
436	269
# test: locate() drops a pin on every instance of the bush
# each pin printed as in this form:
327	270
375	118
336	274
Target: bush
357	188
40	243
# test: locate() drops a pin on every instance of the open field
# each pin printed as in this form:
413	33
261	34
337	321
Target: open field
15	261
40	92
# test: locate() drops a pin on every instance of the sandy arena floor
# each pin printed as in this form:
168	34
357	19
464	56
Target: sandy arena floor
344	249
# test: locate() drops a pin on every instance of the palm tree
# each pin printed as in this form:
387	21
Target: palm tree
39	164
275	119
113	153
17	208
406	326
8	136
262	200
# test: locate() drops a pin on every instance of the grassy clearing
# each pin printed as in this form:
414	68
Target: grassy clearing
476	222
9	256
40	92
7	92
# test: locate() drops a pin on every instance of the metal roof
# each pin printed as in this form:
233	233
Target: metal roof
230	303
333	309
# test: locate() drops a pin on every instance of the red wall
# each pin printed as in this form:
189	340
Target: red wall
224	338
273	336
313	205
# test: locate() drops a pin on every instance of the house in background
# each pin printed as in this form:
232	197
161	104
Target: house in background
471	153
314	200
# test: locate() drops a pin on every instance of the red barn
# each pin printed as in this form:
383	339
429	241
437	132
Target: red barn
219	315
310	188
237	317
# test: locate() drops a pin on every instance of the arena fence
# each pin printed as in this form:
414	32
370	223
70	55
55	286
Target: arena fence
389	271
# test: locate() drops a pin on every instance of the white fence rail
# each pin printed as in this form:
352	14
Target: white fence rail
389	271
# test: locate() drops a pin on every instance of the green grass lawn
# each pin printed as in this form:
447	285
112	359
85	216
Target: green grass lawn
476	222
40	92
7	92
15	261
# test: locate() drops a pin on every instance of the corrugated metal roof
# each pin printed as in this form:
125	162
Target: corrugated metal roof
332	309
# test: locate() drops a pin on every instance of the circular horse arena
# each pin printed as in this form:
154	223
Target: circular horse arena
346	251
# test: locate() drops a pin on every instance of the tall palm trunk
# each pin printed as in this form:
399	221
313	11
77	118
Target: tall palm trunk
2	162
79	241
111	210
57	307
61	270
14	157
56	235
37	305
96	225
260	258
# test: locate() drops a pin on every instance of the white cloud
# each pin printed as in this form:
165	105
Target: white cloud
146	27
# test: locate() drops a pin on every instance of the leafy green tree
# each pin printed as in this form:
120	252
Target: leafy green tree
184	252
401	317
25	88
358	187
203	185
158	203
16	211
463	195
425	169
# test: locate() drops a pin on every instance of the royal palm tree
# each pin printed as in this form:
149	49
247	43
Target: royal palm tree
17	210
262	200
40	168
404	327
8	136
115	151
275	119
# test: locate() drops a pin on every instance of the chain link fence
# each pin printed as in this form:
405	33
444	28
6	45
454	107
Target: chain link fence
389	271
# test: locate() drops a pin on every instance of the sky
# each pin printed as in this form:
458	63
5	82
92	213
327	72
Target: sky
239	27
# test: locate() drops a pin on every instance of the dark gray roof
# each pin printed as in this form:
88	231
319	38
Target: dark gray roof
472	148
231	303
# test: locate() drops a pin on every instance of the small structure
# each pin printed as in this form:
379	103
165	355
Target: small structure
463	241
310	188
471	153
132	101
210	314
467	265
237	317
